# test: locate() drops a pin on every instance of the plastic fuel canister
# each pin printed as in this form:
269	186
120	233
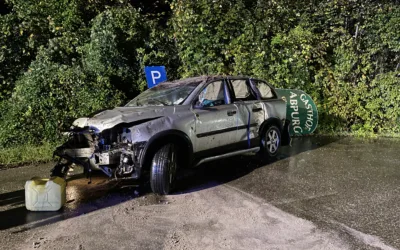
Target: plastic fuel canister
45	194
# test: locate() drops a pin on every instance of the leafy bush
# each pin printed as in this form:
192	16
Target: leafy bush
344	54
48	97
81	71
63	59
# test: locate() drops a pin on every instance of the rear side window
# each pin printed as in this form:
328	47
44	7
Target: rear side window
265	90
242	90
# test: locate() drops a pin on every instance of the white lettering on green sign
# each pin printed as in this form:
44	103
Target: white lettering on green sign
310	113
295	115
301	111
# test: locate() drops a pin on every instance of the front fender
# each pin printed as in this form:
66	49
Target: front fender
173	136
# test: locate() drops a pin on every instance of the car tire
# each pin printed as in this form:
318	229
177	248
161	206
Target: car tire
271	142
163	170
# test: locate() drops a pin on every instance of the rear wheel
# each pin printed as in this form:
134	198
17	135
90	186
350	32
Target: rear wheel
163	170
271	142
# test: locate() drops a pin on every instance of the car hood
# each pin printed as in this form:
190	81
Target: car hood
110	118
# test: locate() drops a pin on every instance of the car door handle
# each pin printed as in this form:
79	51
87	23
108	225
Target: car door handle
231	113
257	109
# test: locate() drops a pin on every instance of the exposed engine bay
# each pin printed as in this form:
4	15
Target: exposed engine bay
110	151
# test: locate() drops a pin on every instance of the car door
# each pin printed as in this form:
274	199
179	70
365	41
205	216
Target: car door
268	98
251	113
216	118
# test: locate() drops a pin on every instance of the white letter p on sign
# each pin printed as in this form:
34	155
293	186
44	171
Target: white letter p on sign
155	75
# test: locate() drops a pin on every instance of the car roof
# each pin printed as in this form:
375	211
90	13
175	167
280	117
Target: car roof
203	79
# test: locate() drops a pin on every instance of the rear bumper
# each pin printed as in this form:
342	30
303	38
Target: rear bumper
285	134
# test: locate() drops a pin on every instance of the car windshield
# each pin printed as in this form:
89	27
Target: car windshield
165	94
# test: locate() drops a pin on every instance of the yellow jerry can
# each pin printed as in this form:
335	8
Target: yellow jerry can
45	194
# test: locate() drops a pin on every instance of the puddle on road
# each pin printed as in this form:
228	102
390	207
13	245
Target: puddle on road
82	198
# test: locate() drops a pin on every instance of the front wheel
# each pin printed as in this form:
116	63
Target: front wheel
163	170
271	142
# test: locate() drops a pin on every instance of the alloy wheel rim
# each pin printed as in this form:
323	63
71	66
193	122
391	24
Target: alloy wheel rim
272	141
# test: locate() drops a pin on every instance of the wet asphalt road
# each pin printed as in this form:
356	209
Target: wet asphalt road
342	184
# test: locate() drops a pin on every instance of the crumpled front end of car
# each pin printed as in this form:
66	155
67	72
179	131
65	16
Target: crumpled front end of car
113	150
113	140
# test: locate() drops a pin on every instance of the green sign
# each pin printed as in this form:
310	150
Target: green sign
301	111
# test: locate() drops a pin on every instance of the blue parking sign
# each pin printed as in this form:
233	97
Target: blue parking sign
155	75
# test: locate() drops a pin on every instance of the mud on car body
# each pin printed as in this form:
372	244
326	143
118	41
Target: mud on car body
178	124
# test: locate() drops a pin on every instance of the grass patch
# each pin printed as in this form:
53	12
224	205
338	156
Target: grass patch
26	154
357	134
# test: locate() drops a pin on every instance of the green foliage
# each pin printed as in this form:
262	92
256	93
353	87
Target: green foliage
14	55
63	59
122	42
81	66
48	97
345	54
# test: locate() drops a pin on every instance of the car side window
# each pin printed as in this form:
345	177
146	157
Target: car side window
265	90
212	95
242	90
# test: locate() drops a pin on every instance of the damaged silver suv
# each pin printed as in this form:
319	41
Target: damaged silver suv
178	124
